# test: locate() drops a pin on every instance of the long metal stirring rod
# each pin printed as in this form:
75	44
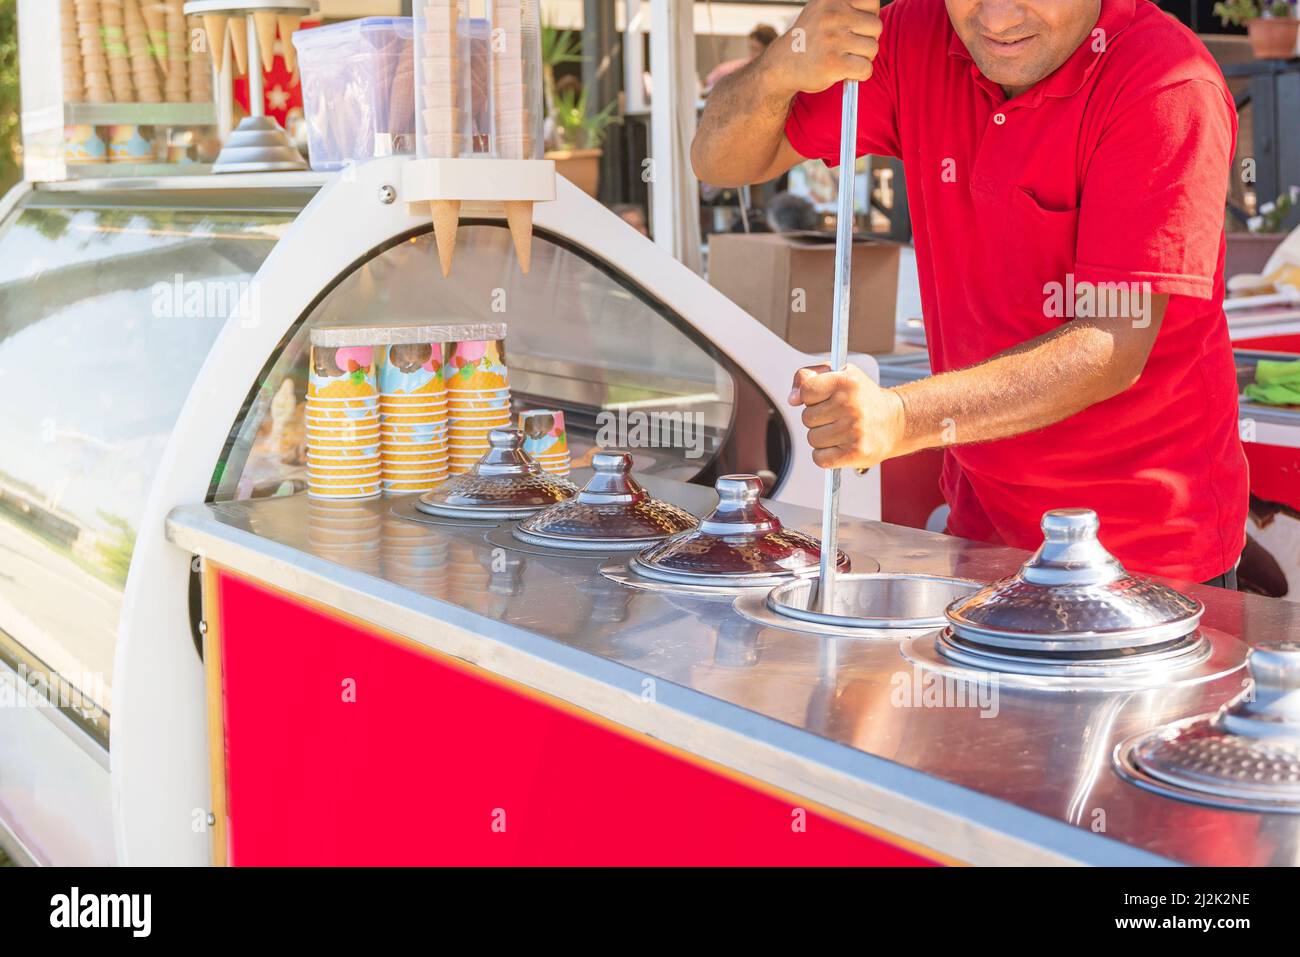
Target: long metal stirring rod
839	328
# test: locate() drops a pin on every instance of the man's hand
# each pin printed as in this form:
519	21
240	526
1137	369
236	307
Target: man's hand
831	40
741	137
852	422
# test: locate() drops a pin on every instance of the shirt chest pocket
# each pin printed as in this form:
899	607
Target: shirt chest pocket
1035	247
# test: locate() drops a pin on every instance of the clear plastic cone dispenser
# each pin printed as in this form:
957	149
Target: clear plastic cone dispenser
479	119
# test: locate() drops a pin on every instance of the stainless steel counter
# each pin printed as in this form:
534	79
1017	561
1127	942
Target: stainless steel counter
1024	779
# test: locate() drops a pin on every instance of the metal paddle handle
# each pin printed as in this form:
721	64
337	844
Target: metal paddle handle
839	327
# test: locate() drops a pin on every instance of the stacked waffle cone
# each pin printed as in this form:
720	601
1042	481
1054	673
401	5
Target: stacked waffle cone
130	51
176	84
438	26
89	27
74	75
144	68
118	57
200	66
512	118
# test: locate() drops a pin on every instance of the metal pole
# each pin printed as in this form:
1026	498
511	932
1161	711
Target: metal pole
839	328
256	86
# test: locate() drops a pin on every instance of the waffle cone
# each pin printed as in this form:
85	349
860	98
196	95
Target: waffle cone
446	219
239	41
519	216
289	24
264	21
215	25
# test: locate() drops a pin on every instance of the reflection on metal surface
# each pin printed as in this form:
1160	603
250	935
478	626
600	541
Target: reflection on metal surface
612	513
740	544
503	536
405	508
1199	657
879	601
1006	775
1245	757
505	483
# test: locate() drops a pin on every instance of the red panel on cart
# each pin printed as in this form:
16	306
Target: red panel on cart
436	763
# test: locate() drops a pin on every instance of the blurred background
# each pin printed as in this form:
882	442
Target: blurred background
10	148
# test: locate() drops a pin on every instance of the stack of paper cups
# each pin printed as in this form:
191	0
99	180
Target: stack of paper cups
478	399
439	49
348	533
413	410
512	119
343	459
545	439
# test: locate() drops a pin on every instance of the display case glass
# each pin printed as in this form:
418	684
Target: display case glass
626	371
107	312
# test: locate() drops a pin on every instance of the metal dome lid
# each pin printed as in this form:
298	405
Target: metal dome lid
505	483
740	543
1244	757
1073	595
612	512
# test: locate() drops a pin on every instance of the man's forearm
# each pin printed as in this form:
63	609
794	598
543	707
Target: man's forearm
743	126
1030	387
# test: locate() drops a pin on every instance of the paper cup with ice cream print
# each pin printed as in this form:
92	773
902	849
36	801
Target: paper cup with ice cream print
411	372
476	366
342	372
544	432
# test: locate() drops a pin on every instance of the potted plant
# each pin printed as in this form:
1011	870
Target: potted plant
1248	253
1272	26
558	48
579	135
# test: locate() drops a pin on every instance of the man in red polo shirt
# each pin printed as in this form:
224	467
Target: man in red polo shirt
1067	163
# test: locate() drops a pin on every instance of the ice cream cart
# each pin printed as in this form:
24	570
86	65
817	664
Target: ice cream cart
205	664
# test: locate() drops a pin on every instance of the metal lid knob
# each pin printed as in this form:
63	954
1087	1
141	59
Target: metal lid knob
613	483
506	455
1272	708
1071	553
1246	756
739	511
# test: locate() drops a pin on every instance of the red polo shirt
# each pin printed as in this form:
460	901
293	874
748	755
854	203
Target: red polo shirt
1112	169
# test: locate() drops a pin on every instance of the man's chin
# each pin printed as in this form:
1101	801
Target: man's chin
1008	79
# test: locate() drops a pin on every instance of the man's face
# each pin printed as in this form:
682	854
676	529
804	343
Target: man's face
1015	43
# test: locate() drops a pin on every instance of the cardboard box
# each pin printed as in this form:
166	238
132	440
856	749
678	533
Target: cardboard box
787	282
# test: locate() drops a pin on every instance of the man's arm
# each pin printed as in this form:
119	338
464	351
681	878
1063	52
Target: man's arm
741	137
854	423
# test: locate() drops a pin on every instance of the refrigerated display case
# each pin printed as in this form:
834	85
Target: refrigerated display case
151	322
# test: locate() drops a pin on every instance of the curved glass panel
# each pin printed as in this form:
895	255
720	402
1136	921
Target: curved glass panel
105	317
625	371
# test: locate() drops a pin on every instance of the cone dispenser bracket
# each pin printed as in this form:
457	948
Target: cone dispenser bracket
258	144
447	189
